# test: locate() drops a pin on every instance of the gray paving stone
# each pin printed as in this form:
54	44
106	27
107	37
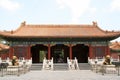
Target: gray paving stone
62	75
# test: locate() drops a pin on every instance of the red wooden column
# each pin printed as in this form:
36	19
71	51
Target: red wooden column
11	52
49	54
70	46
90	51
107	50
29	52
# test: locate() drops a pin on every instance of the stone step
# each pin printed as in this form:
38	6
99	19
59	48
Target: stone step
84	66
60	66
37	66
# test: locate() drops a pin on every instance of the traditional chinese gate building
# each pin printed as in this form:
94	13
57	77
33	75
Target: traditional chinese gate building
59	42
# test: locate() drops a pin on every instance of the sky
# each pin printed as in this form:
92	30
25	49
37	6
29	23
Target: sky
105	12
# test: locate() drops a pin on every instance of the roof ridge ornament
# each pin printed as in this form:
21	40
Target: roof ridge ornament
11	31
23	23
94	23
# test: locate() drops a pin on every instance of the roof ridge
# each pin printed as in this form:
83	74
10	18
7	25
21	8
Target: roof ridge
60	26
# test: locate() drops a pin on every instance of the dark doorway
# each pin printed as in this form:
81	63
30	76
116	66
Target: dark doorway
80	51
60	52
38	52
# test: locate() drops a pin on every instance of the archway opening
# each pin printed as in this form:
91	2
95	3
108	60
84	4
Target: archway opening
38	53
59	52
80	51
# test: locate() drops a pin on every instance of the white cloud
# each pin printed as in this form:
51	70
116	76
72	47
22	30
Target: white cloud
115	5
77	7
9	5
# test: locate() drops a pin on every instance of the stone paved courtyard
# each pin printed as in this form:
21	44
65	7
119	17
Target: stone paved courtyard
62	75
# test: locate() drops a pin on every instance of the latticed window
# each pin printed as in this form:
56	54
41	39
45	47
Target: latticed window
99	51
20	51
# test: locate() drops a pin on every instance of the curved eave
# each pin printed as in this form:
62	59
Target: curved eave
111	35
94	36
60	31
115	50
79	38
107	34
